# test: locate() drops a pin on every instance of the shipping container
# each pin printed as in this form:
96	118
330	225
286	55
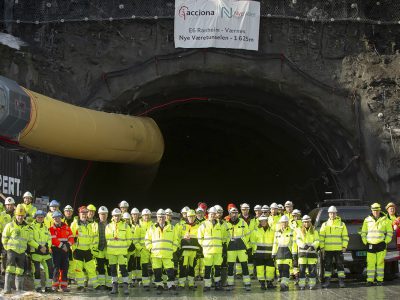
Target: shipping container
14	172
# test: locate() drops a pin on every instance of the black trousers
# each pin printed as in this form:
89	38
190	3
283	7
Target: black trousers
330	257
61	265
50	267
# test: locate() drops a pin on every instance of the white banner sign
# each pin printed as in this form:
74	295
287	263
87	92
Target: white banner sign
217	23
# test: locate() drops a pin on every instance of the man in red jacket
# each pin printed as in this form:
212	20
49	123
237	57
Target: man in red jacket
61	240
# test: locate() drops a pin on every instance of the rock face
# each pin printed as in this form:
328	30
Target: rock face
336	85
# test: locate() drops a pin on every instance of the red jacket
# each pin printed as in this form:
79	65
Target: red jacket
60	235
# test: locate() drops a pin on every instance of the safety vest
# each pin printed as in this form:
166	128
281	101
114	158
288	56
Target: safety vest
375	231
61	235
333	235
187	236
41	235
239	235
305	238
30	212
284	244
118	237
16	237
84	235
162	242
273	220
262	241
212	236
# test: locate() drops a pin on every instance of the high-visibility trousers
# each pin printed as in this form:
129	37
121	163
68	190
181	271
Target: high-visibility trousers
144	263
212	260
47	262
15	263
115	262
102	268
376	266
84	261
265	268
158	264
241	256
283	266
310	264
186	267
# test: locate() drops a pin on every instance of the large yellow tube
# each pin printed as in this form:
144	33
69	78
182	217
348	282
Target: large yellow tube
63	129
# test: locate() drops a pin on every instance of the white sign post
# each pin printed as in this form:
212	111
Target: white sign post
217	23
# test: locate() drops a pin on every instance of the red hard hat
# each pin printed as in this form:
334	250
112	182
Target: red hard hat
231	205
82	209
202	205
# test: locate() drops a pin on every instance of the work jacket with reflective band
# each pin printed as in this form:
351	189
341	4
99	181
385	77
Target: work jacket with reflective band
294	224
333	235
16	237
239	235
41	235
61	235
162	242
273	220
284	244
187	235
5	218
30	212
375	231
289	215
211	236
306	238
118	237
84	235
262	241
140	233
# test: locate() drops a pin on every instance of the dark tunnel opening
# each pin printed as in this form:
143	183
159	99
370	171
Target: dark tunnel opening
219	151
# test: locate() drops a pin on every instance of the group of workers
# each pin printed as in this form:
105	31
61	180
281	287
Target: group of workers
132	250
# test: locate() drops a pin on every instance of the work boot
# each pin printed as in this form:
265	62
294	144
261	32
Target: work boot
160	289
80	289
206	289
379	283
48	290
370	283
174	290
262	283
284	287
229	288
218	286
38	289
19	283
247	287
126	289
326	283
341	283
9	278
270	285
114	288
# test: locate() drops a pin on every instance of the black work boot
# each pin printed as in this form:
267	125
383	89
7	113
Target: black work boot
218	286
270	285
114	288
341	283
126	289
262	283
326	283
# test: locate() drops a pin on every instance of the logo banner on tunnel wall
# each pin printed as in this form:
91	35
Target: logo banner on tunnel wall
217	23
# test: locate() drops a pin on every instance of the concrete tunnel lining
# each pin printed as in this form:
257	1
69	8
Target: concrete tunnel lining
292	138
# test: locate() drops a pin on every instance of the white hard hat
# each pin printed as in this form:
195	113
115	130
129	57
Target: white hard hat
212	210
169	212
199	209
146	211
296	212
280	206
244	205
185	209
126	215
332	209
68	208
124	204
233	210
9	200
288	203
116	212
27	194
219	208
306	218
102	210
257	207
263	218
135	211
265	208
284	218
160	213
274	205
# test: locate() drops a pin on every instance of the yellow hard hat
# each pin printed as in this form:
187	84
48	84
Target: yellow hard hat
191	213
20	210
390	204
376	206
91	207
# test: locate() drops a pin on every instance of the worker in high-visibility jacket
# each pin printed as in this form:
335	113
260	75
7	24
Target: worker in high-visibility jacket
333	241
252	222
296	222
124	207
184	212
54	206
307	240
376	233
126	217
289	210
145	224
135	261
199	266
161	240
5	217
274	216
41	235
29	208
212	235
119	239
61	243
68	219
189	245
284	250
238	248
85	239
265	210
16	237
262	241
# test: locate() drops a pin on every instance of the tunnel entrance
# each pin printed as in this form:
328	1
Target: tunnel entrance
233	144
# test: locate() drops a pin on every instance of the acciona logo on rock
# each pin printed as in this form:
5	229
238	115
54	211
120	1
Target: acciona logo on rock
184	11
